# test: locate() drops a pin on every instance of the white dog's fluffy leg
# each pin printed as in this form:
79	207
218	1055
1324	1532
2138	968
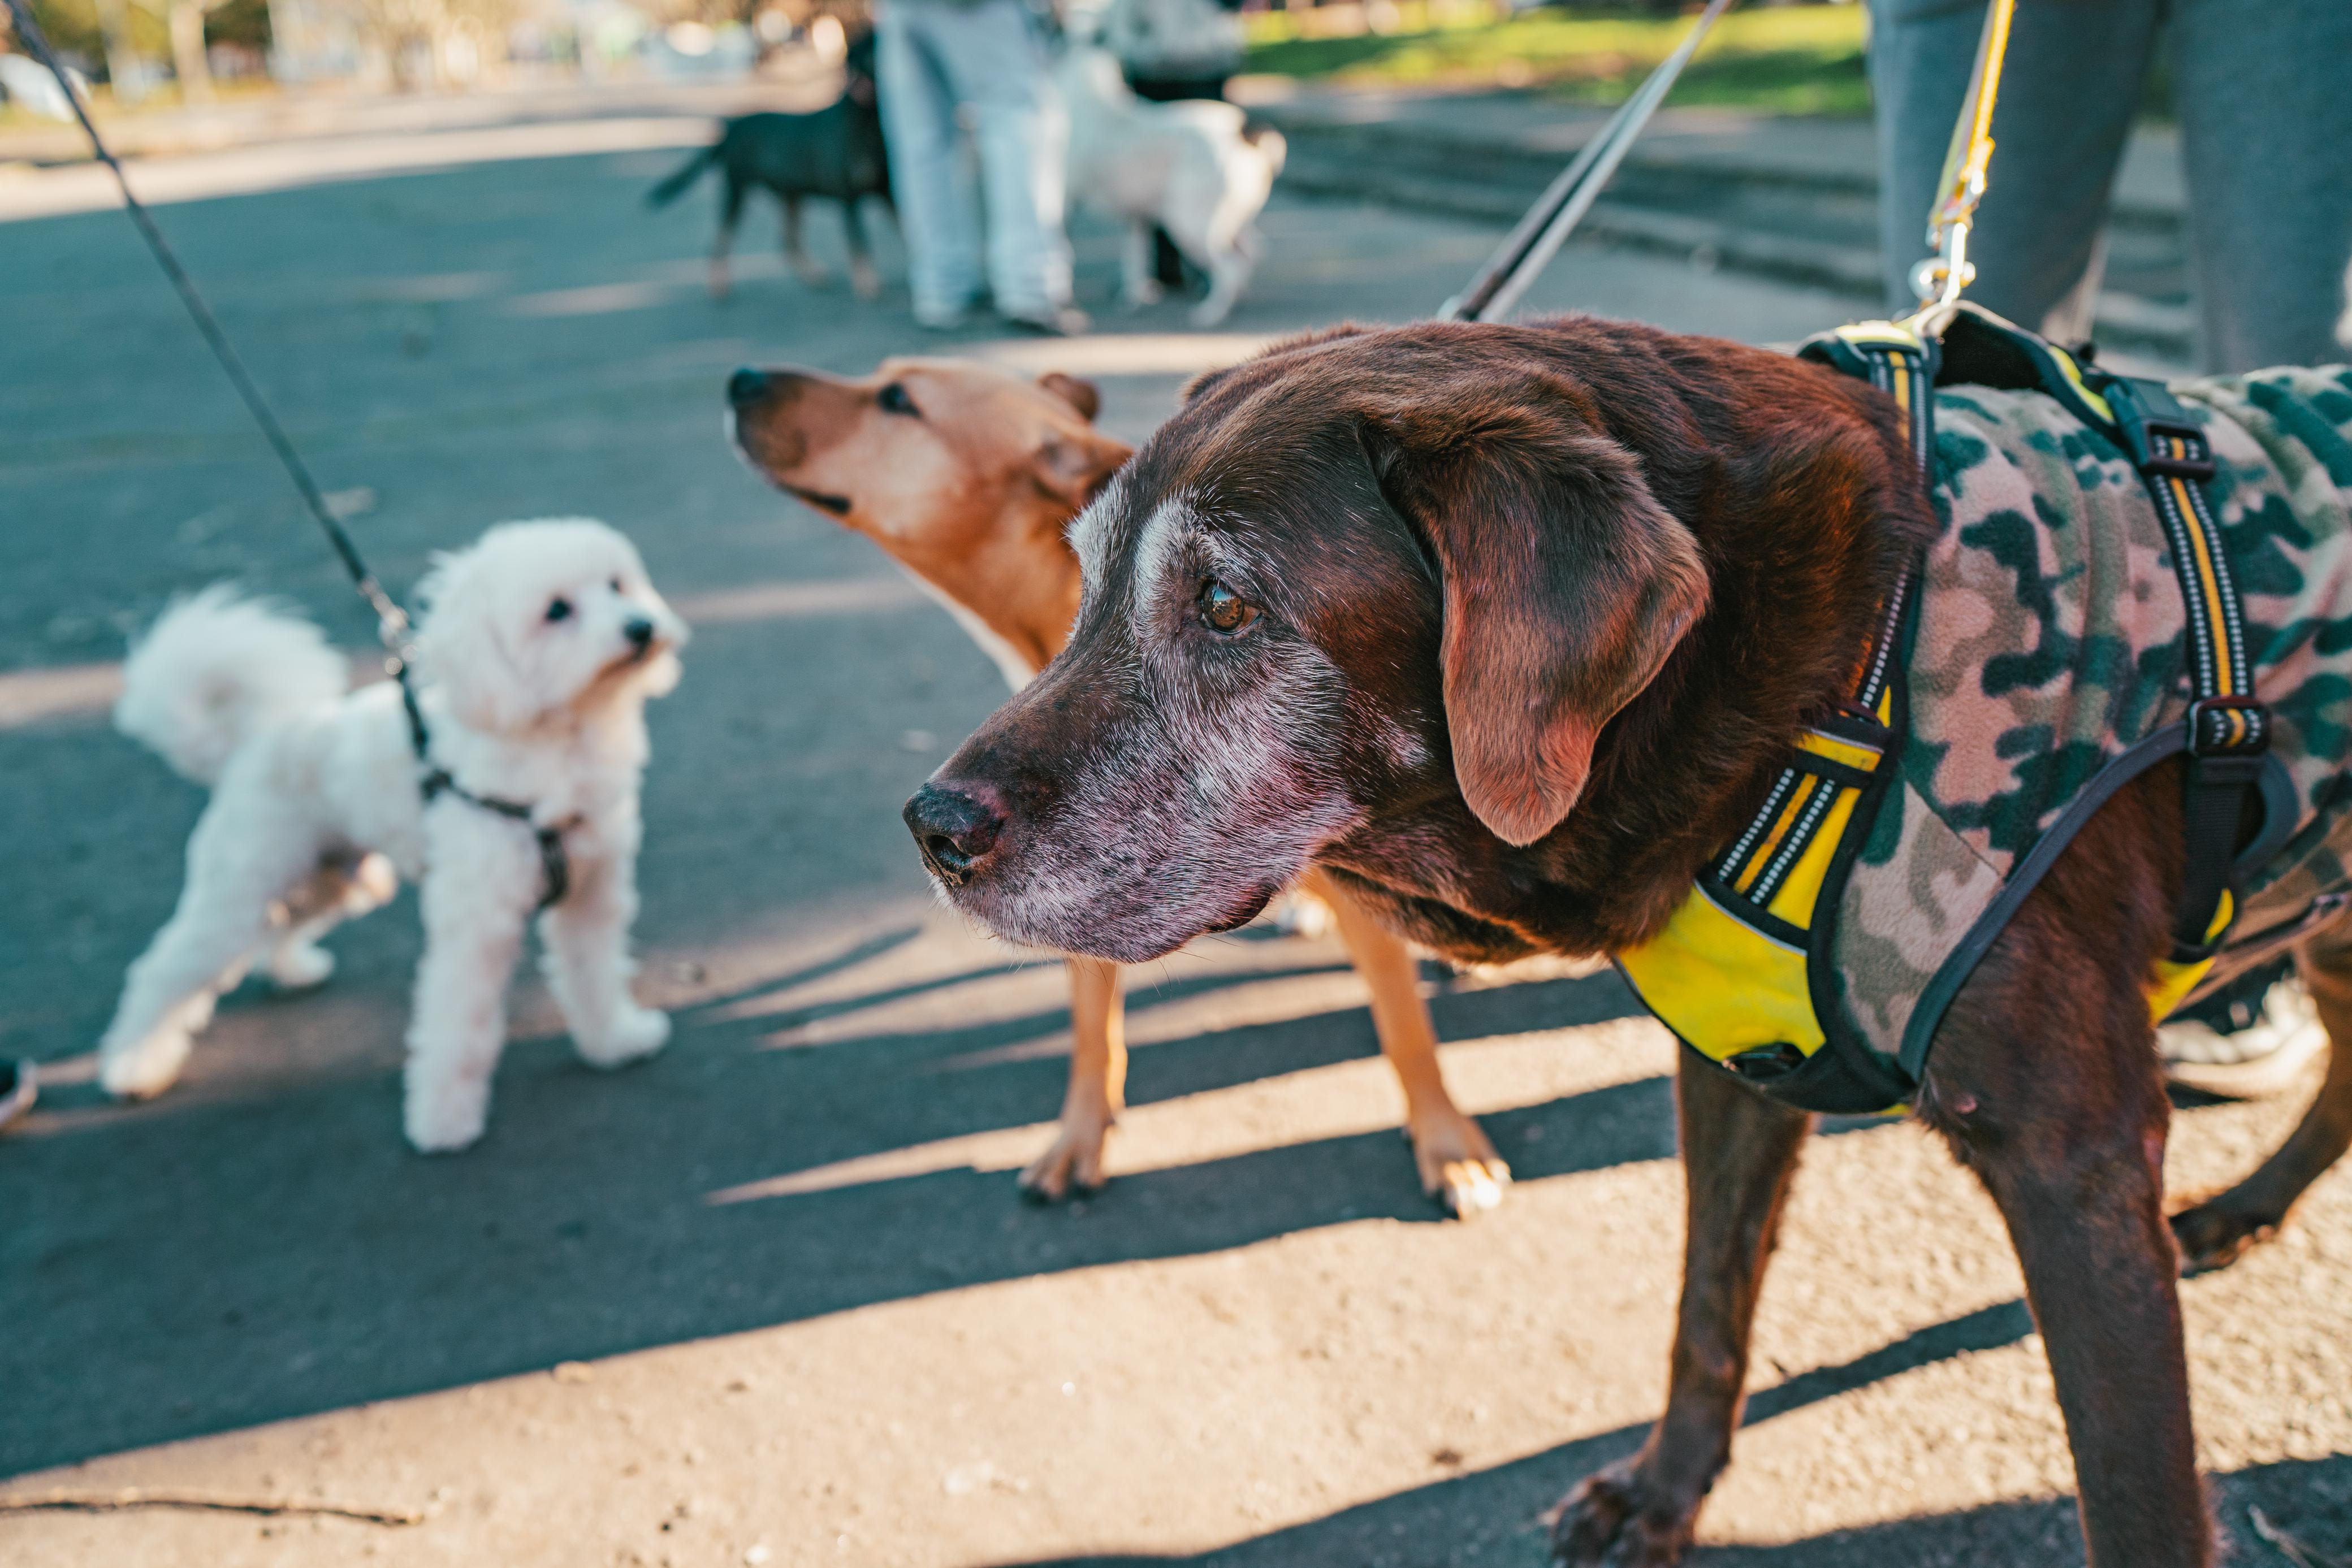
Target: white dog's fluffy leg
588	966
1138	287
477	900
236	870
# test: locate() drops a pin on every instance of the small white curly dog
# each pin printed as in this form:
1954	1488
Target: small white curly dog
538	649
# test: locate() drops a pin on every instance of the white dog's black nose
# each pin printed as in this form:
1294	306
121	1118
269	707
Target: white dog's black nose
640	633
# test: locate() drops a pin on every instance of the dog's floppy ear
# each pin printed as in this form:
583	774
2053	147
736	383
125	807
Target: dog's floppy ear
459	649
1073	463
1565	585
1082	395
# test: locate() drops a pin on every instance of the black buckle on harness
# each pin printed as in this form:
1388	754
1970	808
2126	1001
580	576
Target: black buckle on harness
2152	420
1765	1064
2214	738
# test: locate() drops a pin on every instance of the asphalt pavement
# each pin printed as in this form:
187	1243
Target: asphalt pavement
771	1298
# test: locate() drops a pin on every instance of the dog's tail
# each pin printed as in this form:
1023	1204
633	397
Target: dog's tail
669	190
1269	143
217	668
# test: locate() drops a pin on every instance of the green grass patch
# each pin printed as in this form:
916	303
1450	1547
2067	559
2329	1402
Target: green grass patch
1788	61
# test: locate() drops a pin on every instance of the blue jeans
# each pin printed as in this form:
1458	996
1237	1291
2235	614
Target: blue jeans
2265	110
933	57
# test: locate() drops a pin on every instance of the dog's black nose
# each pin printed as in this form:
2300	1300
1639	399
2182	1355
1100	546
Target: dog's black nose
640	633
747	386
953	830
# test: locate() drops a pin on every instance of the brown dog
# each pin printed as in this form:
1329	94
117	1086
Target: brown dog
1508	629
969	477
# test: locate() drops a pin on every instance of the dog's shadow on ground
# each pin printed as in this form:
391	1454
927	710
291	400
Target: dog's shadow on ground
1492	1519
1496	1518
300	1259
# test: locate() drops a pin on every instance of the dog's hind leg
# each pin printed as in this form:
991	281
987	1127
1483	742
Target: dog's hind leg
1739	1151
236	871
588	965
862	276
1097	1090
796	255
2218	1231
1457	1163
730	212
341	889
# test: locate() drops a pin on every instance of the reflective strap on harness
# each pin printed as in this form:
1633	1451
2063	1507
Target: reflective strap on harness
2228	725
1733	973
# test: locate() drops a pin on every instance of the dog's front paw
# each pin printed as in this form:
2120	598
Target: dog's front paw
1074	1164
143	1070
633	1035
1610	1520
442	1118
1459	1166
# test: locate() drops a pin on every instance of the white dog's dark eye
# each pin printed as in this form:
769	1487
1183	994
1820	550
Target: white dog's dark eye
616	585
558	608
1224	612
894	400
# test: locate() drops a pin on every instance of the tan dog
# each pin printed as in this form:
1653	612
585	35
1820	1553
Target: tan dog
969	477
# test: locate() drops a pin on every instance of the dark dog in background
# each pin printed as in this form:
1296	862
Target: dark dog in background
836	151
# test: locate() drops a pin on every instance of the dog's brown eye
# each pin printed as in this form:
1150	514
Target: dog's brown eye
558	608
1224	610
894	400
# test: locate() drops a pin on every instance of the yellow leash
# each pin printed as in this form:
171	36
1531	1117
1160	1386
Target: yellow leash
1939	279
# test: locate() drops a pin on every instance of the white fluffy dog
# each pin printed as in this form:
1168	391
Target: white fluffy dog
540	647
1193	167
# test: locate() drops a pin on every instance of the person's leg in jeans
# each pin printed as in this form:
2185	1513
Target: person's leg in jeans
934	194
2266	103
995	61
2067	97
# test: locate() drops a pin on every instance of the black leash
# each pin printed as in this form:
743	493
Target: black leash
1529	247
392	621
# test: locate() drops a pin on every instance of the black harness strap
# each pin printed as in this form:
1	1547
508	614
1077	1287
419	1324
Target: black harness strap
2228	726
434	782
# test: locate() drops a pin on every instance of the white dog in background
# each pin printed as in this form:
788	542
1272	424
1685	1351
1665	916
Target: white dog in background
540	647
1193	168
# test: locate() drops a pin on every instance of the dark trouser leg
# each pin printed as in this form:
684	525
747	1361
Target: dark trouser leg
2073	81
2267	135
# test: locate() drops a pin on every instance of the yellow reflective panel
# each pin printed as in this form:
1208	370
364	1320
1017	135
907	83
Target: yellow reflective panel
1794	902
2170	985
1722	986
1838	749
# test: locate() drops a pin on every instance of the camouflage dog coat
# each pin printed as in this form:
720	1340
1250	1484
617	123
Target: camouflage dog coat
2046	658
